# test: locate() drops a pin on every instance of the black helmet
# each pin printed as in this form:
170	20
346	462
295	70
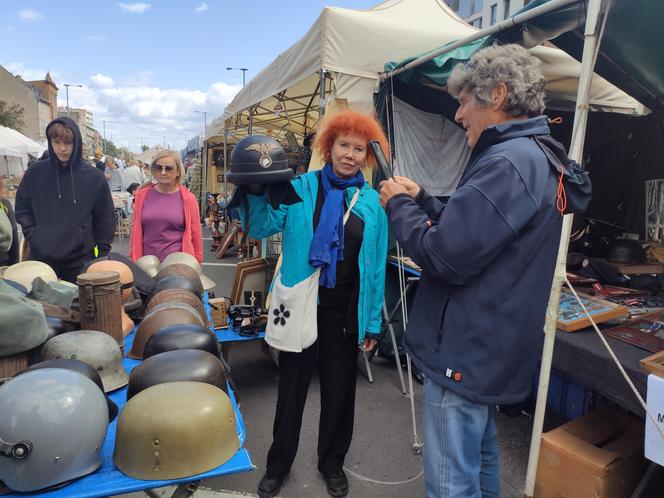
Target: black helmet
175	366
258	159
77	366
184	336
626	251
180	282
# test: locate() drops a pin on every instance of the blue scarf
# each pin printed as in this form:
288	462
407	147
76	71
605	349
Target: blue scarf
327	246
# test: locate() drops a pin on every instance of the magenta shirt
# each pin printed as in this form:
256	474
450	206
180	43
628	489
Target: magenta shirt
163	223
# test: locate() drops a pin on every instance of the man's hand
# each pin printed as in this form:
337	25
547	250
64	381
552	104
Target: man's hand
412	187
388	189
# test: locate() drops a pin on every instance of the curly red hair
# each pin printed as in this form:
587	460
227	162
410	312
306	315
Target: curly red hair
350	122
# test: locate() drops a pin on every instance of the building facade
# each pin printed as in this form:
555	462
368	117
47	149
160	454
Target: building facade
485	13
84	119
14	90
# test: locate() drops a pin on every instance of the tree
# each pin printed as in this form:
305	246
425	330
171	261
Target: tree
111	149
11	116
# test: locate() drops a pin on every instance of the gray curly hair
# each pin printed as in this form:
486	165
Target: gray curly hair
509	64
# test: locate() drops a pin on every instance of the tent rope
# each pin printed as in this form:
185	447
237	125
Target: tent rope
617	362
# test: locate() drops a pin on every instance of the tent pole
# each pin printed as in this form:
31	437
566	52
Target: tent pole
321	95
225	160
575	153
496	28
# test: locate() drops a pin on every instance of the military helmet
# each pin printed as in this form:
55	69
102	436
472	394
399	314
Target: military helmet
26	271
94	348
175	430
191	365
182	295
170	313
181	337
626	251
22	324
149	264
52	428
184	271
258	159
77	366
187	259
126	275
179	282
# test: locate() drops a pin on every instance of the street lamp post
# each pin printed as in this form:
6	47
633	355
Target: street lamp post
204	113
105	134
67	85
243	69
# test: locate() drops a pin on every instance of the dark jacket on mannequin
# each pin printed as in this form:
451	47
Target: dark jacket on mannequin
65	209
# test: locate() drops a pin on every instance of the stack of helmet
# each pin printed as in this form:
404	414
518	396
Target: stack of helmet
53	424
184	258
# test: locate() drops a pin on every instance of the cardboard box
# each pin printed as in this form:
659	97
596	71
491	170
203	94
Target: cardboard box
218	312
599	455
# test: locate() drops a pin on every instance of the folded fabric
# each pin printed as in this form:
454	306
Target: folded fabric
56	293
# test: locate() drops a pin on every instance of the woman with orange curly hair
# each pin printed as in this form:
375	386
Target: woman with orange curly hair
351	257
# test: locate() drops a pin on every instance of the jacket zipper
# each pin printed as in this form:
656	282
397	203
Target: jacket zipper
439	338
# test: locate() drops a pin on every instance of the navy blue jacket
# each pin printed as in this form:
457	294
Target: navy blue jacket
476	325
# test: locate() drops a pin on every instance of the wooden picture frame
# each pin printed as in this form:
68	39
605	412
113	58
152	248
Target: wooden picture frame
571	316
653	364
228	239
249	277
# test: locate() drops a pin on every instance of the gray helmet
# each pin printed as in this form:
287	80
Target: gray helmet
182	270
185	336
149	264
175	430
94	348
22	324
189	365
187	259
53	425
81	367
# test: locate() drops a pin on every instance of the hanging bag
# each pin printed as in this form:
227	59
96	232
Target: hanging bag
292	311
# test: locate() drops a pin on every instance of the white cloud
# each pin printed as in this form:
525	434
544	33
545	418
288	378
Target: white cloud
30	15
201	8
101	81
95	37
134	8
28	74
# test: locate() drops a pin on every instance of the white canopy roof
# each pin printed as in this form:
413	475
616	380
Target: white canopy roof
15	140
8	151
148	155
354	45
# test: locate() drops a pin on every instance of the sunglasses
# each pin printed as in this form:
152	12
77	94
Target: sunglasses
163	168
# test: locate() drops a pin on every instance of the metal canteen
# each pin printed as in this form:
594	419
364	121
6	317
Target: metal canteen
175	430
181	337
178	365
170	313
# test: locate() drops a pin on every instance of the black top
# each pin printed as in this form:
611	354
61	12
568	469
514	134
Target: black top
342	300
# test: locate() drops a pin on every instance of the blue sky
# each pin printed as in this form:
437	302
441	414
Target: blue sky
147	66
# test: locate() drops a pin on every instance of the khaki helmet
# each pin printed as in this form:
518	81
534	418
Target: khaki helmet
23	324
126	275
94	348
26	271
52	428
182	295
163	315
180	365
149	264
175	430
187	259
184	271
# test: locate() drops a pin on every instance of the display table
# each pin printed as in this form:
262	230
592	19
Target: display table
108	480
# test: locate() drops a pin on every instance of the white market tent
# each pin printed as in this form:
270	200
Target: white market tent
15	149
351	48
148	155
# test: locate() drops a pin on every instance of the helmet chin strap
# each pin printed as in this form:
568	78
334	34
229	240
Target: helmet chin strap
19	450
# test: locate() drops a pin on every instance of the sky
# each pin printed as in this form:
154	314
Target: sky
147	67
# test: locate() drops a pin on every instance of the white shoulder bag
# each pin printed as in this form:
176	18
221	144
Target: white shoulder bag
292	311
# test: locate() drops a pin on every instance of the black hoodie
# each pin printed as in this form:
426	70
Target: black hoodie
65	209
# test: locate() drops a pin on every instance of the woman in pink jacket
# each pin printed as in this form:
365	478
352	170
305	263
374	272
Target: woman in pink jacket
166	215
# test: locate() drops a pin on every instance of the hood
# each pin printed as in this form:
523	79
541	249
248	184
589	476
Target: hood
77	153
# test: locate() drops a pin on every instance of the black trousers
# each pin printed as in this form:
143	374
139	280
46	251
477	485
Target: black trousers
336	350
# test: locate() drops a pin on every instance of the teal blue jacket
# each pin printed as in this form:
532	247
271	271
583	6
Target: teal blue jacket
296	223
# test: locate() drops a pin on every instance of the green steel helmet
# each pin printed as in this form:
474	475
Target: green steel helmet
52	428
175	430
149	264
23	324
258	159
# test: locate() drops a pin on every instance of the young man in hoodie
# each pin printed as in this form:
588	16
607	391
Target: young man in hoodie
65	206
487	260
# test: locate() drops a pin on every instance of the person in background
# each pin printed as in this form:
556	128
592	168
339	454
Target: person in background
113	175
352	260
65	206
166	214
99	164
131	190
487	259
9	257
134	174
146	171
194	179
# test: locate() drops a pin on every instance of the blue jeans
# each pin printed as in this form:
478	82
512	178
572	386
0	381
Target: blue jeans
460	446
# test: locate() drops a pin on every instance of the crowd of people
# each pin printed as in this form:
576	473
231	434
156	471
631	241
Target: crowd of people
473	343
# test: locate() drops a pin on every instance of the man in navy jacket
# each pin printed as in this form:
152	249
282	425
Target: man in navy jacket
487	260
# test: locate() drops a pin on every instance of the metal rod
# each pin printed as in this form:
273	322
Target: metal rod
321	94
496	28
576	153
